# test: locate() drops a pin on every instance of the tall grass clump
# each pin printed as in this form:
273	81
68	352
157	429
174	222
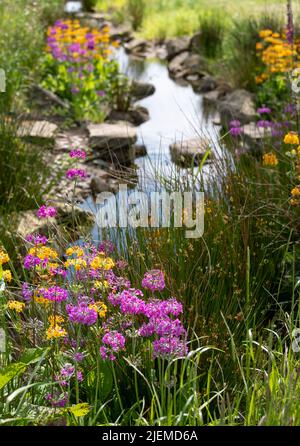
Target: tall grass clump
212	30
21	46
170	23
25	173
241	54
136	11
89	5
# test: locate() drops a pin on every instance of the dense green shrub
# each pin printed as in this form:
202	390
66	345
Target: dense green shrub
242	59
212	30
136	11
89	5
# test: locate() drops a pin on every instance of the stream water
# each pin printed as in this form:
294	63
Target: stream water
176	112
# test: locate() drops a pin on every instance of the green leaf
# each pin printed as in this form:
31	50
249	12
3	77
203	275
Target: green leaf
80	410
10	372
20	390
33	355
106	380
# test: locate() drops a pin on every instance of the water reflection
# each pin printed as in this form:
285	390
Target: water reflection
177	113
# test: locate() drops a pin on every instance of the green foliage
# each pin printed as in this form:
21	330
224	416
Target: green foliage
170	23
10	372
89	5
239	283
136	11
171	18
212	30
85	95
242	59
274	91
80	71
21	46
25	174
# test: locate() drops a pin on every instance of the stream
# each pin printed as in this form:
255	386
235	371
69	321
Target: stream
176	112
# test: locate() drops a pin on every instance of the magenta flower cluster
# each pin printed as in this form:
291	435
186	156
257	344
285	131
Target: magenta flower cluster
130	311
66	373
69	53
82	314
169	334
113	342
117	282
31	261
36	239
235	128
107	247
57	401
27	292
169	346
264	110
54	293
76	173
154	280
78	154
45	212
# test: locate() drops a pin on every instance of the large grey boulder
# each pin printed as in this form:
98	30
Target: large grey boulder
254	136
177	46
189	152
194	63
195	42
214	96
113	141
38	132
139	48
175	67
187	64
135	115
122	33
101	184
140	90
205	84
237	105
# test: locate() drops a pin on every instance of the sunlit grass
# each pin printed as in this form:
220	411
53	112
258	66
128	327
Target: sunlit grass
168	18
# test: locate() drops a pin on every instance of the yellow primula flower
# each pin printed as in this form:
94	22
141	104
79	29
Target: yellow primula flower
99	307
265	33
15	305
101	285
270	159
55	319
52	265
295	192
41	300
4	258
105	263
43	252
55	331
7	275
75	250
291	138
78	264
